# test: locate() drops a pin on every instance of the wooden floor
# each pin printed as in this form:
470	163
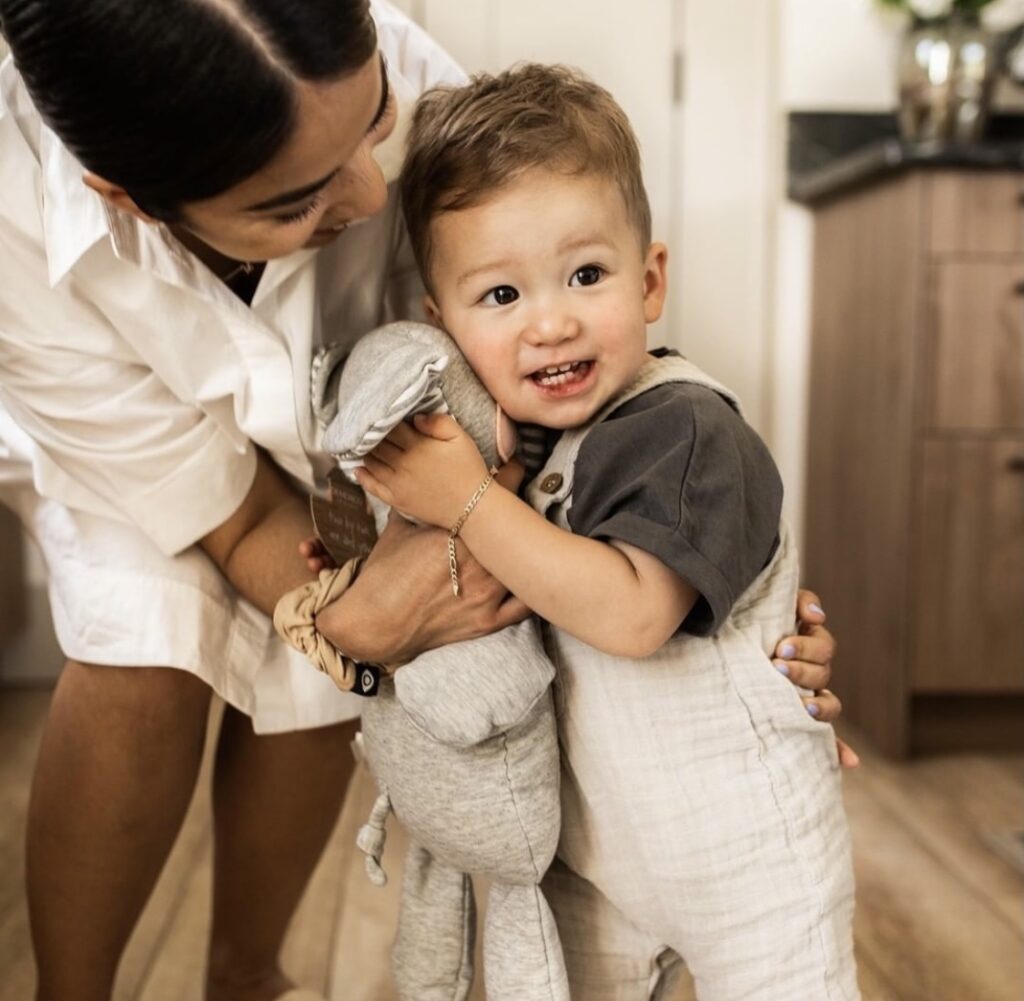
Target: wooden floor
940	915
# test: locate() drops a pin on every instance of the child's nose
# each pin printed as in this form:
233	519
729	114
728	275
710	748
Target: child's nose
552	326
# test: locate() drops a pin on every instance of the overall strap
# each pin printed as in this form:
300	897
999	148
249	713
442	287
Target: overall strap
553	485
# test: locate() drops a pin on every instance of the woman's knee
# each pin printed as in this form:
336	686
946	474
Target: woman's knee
164	702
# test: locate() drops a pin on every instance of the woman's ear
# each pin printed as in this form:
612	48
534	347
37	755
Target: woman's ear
655	281
115	195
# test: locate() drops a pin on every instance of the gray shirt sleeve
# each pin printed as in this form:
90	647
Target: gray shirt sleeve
678	473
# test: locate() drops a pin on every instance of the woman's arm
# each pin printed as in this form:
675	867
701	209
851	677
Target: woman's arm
399	605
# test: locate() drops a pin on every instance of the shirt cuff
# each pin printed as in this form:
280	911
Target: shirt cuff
200	495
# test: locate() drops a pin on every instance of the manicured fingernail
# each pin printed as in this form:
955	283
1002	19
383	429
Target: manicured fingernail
817	609
787	650
813	708
782	668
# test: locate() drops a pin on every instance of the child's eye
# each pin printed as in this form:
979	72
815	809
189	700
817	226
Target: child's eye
589	274
304	213
500	296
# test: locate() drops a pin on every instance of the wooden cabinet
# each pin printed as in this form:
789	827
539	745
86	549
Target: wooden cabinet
915	501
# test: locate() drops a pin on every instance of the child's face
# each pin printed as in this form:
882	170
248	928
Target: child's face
546	290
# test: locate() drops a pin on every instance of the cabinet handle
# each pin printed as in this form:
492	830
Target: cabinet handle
1015	464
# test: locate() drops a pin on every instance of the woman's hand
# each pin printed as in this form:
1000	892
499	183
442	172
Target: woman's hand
401	604
806	660
428	472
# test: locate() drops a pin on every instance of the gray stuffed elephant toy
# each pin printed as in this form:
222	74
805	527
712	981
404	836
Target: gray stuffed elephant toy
461	741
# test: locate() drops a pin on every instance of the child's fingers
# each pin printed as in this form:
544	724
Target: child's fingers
387	453
442	426
511	475
371	484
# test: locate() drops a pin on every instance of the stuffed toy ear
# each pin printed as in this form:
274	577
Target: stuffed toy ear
506	438
403	369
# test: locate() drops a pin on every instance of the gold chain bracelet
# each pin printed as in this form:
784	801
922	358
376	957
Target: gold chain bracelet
453	566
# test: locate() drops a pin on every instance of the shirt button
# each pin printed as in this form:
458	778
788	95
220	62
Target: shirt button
551	483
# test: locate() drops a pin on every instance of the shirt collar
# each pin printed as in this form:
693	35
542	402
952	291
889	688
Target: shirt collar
74	217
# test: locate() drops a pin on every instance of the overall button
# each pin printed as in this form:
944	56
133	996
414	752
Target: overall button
551	483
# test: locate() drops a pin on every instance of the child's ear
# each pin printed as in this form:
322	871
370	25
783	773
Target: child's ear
655	281
115	195
432	311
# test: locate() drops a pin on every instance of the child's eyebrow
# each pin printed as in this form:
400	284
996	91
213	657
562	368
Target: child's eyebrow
481	269
589	240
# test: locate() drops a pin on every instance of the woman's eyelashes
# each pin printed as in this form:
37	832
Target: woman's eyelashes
300	214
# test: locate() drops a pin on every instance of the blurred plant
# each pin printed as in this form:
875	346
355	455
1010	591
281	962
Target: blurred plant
996	15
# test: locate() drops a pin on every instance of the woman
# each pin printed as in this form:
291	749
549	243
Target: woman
180	188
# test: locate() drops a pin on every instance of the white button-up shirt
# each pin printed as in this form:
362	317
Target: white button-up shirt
143	382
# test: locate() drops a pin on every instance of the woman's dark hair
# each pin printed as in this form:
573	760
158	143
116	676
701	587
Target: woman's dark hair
179	100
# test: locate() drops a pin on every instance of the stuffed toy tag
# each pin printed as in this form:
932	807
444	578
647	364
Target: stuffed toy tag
343	521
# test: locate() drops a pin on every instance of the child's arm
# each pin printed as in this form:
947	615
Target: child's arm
613	596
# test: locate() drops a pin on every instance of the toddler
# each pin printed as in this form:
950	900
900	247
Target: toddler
702	815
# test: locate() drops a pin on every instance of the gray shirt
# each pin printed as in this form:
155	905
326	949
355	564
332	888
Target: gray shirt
678	473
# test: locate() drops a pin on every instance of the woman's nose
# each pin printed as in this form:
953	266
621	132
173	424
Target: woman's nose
364	192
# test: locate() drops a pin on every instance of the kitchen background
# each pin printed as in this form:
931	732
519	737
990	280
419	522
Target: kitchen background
712	87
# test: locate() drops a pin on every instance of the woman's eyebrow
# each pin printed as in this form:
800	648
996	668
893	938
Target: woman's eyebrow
299	194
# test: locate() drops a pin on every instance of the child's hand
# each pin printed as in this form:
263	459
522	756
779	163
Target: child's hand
316	556
428	472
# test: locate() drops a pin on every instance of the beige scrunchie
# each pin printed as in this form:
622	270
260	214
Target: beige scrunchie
295	622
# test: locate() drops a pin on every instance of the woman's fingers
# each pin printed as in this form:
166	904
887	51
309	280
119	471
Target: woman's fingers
848	757
806	660
823	706
808	607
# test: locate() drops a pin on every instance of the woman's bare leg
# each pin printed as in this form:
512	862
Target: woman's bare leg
276	799
119	757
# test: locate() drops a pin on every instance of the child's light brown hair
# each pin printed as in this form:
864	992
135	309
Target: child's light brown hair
466	143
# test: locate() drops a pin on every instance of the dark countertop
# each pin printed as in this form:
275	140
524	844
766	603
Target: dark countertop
833	152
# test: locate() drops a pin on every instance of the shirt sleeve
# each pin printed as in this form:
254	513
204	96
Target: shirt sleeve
110	435
678	473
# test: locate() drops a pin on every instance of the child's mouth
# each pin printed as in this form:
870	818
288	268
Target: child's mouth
567	374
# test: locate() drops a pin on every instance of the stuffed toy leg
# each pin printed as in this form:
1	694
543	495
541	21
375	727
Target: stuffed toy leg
462	740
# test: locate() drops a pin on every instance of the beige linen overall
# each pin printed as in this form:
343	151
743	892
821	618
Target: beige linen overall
701	807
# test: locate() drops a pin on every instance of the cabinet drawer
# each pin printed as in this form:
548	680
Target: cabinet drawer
974	362
976	212
968	580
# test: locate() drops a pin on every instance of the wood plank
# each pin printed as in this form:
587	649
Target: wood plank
974	351
948	805
864	330
968	572
976	212
930	937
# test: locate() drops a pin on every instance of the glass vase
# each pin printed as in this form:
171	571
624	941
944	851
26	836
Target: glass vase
947	70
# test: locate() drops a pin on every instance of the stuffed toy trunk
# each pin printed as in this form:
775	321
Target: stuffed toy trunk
461	741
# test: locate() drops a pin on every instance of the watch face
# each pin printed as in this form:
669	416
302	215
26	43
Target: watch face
368	679
343	520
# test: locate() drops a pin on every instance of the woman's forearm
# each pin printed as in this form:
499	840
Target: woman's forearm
257	548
